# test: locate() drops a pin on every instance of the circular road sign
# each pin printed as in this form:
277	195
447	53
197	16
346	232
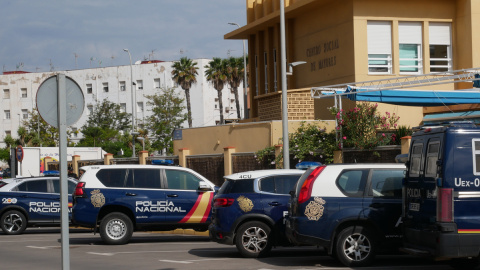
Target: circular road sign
19	153
47	103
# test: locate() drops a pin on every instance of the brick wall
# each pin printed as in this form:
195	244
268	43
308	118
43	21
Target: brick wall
300	106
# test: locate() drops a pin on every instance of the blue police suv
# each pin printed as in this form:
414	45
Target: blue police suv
249	210
33	201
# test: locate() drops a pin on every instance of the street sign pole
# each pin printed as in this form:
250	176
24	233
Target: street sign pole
62	130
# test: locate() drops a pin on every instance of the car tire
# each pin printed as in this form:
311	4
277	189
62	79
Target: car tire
356	246
465	263
13	222
253	239
116	229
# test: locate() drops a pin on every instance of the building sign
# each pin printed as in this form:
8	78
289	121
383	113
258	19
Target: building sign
324	51
177	135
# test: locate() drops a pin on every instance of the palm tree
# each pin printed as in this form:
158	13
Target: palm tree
184	74
217	74
235	77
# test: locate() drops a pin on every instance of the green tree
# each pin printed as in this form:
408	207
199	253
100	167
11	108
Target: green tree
185	73
167	115
235	73
217	74
40	133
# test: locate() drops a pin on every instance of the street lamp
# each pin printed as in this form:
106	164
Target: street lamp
283	61
143	142
245	102
133	100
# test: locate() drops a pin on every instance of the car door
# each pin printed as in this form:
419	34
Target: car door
275	195
56	191
383	201
40	202
184	203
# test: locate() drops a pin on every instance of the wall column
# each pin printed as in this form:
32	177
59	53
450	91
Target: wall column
227	159
46	160
278	151
338	156
405	142
142	157
182	157
75	160
107	158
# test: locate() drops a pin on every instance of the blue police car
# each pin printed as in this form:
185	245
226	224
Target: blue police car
33	201
119	199
249	210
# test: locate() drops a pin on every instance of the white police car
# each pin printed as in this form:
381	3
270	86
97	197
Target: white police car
118	199
249	210
353	210
33	201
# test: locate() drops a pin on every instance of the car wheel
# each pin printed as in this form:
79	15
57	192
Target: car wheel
253	239
355	246
13	222
465	263
116	229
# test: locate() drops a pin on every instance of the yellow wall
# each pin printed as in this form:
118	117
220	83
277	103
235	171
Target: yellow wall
245	137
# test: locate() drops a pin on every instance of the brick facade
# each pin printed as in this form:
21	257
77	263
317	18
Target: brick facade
300	106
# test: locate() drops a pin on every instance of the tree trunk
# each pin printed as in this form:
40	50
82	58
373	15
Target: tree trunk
189	107
237	102
220	105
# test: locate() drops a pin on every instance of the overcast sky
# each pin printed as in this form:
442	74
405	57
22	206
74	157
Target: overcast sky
47	34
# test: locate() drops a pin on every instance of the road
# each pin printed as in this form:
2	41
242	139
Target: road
40	248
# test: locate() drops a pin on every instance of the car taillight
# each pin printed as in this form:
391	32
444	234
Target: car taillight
223	202
306	190
79	191
445	205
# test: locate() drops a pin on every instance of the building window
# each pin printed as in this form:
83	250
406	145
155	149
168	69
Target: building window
6	93
410	46
379	38
141	126
8	133
440	39
139	106
25	114
156	83
139	85
74	132
89	88
6	114
275	70
90	109
265	61
122	86
256	75
123	107
24	92
105	87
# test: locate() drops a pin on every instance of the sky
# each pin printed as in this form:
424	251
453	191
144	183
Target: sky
55	35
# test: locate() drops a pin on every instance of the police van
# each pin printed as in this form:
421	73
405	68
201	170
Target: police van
441	208
118	199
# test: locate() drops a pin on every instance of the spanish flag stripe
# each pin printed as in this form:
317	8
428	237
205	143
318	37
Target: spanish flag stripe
209	206
200	210
468	230
190	213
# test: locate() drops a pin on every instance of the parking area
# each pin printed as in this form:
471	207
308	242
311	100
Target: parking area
40	248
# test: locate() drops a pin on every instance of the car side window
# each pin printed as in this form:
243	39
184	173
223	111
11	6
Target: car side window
144	178
56	186
177	179
285	183
33	186
352	182
113	177
267	185
386	183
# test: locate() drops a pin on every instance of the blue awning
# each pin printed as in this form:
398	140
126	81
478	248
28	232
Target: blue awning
407	97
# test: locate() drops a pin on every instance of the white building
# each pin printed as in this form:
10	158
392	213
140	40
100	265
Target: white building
18	93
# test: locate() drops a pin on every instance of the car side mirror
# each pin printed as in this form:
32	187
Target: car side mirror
202	186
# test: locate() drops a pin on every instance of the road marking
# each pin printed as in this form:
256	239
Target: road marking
192	261
134	252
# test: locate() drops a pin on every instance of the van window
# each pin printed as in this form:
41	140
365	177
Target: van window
416	159
433	149
237	186
280	184
386	183
352	182
112	177
476	156
143	178
177	179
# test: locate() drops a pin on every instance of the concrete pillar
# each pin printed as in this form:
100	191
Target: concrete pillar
182	157
338	156
46	160
107	158
405	142
227	159
142	157
75	160
278	151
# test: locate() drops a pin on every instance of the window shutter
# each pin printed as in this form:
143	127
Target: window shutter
439	33
379	36
410	32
